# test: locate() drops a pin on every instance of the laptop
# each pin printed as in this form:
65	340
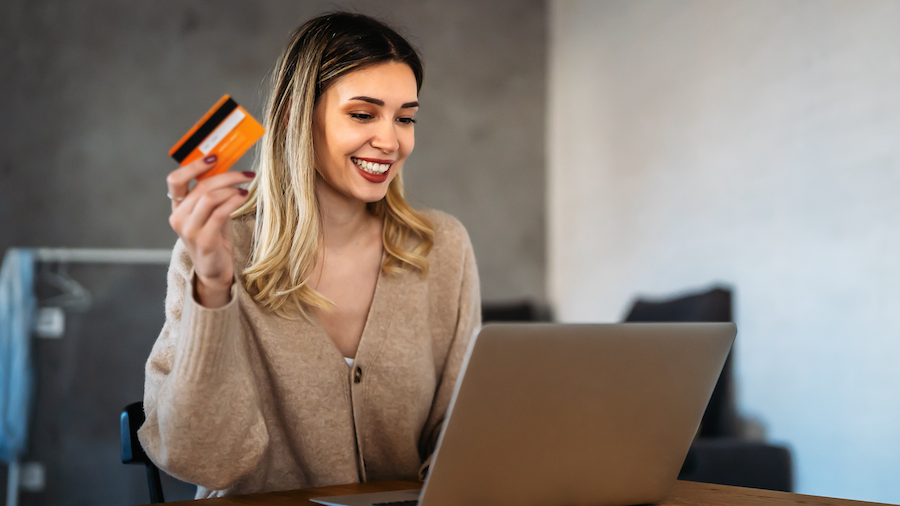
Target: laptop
582	414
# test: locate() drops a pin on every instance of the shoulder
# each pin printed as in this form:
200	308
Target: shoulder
452	248
243	228
449	232
452	280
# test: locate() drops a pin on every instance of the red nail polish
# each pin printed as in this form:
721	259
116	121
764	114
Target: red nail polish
210	159
250	174
243	192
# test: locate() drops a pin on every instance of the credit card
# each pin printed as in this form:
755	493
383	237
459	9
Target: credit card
227	131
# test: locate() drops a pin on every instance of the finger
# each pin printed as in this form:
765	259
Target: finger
220	218
223	180
206	205
181	211
178	181
215	183
186	218
219	181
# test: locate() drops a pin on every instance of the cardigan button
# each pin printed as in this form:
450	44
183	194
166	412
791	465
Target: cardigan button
357	374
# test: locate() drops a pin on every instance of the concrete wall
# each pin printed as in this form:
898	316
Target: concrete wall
93	95
753	143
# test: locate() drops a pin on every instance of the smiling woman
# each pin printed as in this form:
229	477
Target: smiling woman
274	290
363	126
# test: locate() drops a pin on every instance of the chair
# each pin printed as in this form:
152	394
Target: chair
133	453
738	462
515	311
719	455
720	418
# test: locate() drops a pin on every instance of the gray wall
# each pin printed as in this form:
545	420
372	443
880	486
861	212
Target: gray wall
753	143
93	95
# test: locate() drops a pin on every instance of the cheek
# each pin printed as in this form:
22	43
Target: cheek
347	141
408	142
321	146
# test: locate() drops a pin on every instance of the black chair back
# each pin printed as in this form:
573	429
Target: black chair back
515	311
133	453
720	418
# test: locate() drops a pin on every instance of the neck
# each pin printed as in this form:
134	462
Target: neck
345	220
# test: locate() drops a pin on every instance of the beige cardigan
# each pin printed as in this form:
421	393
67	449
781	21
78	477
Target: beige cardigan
239	400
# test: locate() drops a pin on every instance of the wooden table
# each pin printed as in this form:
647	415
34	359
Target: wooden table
685	493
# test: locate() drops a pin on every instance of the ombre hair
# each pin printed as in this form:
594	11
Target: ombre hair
282	196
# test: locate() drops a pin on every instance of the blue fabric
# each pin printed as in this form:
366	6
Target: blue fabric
17	310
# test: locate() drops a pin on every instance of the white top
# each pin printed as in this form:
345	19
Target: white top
349	361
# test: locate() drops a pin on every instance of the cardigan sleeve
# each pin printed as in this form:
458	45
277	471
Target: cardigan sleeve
203	422
468	321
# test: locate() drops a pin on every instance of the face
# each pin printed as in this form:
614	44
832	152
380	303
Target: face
363	130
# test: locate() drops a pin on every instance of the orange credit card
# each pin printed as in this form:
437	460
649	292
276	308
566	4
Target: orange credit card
226	131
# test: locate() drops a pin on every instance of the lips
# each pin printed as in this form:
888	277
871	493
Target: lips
373	169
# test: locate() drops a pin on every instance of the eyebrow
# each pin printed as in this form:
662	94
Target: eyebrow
378	102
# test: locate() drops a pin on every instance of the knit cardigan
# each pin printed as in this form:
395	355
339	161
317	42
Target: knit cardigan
239	400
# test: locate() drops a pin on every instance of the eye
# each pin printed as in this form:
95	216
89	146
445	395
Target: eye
362	116
406	121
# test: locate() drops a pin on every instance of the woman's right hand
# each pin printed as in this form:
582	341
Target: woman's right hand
202	219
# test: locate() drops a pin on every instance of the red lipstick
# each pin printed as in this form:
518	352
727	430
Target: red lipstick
374	178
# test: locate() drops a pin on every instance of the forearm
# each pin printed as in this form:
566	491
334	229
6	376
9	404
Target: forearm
203	423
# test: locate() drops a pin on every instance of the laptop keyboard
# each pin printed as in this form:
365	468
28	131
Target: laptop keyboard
396	503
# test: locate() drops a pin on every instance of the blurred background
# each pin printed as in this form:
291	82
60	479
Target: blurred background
596	151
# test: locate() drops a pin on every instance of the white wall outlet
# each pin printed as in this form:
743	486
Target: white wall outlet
32	477
51	322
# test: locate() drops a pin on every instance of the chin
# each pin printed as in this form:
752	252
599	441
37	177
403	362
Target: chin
370	198
369	193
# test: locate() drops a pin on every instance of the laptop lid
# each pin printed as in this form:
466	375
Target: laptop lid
575	414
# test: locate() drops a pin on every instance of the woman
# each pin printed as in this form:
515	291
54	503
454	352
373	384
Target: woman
321	264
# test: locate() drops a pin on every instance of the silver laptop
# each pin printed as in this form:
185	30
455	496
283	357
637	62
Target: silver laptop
570	415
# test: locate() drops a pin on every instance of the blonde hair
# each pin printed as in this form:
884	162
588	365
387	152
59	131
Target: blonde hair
288	222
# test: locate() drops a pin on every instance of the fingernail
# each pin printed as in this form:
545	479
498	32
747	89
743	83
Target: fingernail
243	192
210	159
250	174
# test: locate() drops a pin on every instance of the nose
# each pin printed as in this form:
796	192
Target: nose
385	137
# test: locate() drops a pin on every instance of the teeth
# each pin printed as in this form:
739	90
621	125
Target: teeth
372	168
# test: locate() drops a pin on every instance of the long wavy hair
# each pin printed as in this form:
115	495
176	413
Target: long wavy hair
282	197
